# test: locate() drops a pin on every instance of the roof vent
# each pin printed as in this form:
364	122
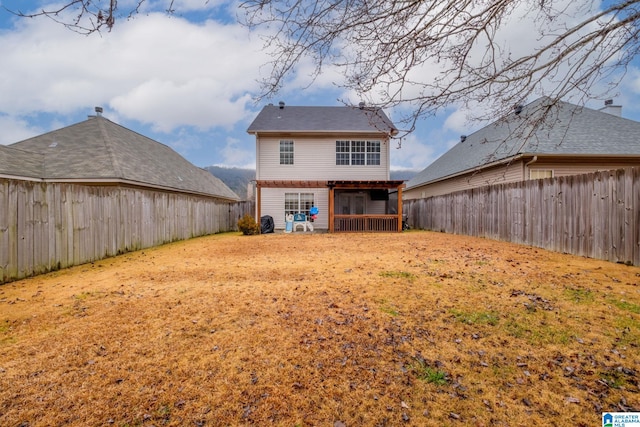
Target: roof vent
608	102
361	105
463	138
517	109
98	111
281	104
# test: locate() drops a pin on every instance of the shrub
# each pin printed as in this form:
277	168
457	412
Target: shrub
248	225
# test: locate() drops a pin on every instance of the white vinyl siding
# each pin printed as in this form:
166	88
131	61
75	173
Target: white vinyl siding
315	159
273	204
376	207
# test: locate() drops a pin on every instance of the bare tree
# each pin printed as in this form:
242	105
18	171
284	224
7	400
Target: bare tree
425	55
430	54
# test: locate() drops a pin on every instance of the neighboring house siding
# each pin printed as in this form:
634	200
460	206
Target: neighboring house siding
574	168
496	175
273	205
517	171
315	159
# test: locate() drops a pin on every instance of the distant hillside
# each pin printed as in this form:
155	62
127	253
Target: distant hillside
237	179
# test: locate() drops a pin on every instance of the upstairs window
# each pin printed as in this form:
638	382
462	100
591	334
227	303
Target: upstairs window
286	152
343	151
358	153
373	153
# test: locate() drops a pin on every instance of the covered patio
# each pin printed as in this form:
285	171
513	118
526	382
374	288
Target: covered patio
352	206
348	211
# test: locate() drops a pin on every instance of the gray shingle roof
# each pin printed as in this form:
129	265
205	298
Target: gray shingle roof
543	129
19	163
273	119
100	150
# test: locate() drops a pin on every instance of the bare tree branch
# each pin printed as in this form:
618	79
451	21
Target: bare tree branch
430	54
83	16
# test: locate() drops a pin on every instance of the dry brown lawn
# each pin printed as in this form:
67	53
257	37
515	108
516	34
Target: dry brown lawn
413	329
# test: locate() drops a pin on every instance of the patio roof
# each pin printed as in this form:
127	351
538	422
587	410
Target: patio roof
364	184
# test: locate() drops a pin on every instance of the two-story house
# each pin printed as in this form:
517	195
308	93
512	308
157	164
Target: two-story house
333	158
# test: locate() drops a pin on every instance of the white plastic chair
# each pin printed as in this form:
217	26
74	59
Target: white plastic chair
300	219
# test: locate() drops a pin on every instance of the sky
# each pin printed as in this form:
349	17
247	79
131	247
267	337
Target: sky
189	81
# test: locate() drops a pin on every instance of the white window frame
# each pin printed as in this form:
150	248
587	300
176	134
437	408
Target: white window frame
358	152
298	203
287	150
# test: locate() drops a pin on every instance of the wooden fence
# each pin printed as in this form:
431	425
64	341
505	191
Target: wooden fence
596	215
48	226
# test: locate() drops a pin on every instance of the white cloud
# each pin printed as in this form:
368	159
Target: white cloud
235	155
155	69
413	154
15	129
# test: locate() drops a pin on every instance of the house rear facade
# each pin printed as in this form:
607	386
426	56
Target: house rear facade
333	158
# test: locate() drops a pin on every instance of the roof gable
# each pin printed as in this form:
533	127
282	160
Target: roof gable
543	129
291	119
100	150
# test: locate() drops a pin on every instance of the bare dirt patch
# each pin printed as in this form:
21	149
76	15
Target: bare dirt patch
415	328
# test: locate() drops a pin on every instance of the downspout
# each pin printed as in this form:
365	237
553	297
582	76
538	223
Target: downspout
526	167
258	189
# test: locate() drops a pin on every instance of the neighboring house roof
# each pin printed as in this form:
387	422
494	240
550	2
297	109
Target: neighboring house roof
19	163
98	150
541	128
285	119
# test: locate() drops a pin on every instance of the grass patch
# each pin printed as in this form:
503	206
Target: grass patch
476	317
398	275
5	328
81	296
579	295
421	369
613	378
388	308
626	306
627	331
541	334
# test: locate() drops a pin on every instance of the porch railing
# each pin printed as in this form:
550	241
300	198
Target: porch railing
364	223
